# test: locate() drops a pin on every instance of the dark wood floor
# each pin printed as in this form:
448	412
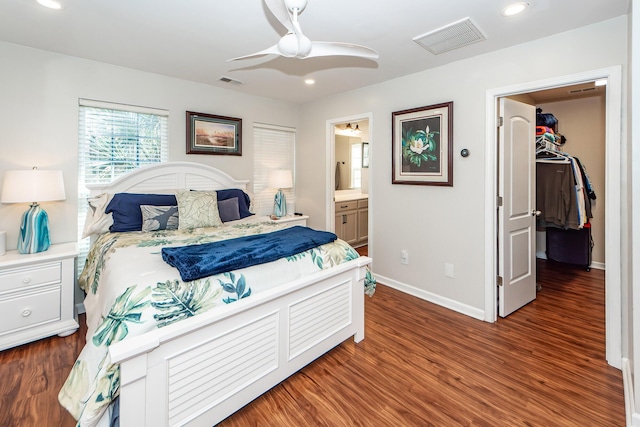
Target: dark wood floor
419	365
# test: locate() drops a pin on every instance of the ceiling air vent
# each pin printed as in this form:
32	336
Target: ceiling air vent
453	36
225	79
585	89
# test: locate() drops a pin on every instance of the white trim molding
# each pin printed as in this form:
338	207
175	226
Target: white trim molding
614	166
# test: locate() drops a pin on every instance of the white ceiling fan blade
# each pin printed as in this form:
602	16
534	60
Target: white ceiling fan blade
273	50
341	49
279	9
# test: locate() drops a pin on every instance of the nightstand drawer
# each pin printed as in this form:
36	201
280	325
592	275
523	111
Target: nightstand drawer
28	309
17	278
346	206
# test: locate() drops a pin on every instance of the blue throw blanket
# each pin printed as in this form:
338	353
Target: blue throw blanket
197	261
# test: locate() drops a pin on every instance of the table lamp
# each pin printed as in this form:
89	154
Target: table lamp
280	178
33	186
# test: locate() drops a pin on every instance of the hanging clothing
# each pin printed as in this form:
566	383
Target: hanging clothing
564	192
556	195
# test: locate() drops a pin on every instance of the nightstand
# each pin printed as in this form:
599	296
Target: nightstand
36	295
293	219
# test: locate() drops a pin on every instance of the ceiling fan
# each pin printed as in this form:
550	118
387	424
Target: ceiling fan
295	44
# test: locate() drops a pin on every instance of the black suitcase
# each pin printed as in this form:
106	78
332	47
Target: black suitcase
570	246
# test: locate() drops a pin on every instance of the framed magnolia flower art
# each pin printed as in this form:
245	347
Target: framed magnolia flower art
423	145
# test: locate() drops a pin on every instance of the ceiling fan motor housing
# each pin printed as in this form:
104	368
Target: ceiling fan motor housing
292	45
296	4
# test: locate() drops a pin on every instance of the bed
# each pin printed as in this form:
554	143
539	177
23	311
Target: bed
156	371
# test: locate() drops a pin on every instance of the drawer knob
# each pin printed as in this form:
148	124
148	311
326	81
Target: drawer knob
26	280
26	313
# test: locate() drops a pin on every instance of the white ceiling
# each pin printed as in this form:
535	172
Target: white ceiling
192	39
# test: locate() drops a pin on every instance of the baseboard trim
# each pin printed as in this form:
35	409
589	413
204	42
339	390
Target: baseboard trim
474	312
633	418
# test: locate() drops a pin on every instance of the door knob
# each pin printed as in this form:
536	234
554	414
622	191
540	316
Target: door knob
535	213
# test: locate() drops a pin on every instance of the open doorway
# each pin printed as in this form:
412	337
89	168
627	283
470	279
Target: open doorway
349	153
612	189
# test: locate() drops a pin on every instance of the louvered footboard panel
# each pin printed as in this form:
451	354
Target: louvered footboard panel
202	377
313	319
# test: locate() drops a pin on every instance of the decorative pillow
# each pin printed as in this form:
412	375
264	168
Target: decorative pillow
228	209
244	201
159	217
198	209
97	221
125	208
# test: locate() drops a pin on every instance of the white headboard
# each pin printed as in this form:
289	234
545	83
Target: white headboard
170	176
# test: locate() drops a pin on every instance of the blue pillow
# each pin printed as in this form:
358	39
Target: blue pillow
125	208
243	200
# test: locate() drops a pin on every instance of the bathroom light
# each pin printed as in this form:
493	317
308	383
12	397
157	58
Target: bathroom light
51	4
309	81
514	9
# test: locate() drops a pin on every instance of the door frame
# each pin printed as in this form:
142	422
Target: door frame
331	176
613	189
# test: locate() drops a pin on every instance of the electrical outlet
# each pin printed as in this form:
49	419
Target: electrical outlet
404	256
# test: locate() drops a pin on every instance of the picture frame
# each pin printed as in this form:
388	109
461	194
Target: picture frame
365	155
212	134
422	145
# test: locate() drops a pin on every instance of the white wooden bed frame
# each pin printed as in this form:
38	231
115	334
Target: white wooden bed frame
198	371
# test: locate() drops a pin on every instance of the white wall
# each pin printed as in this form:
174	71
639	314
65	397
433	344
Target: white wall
39	120
631	294
439	225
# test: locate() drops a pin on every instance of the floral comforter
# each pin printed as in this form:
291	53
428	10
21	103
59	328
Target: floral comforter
131	290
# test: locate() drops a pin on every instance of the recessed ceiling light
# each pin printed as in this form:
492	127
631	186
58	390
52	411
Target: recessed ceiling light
515	8
51	4
309	81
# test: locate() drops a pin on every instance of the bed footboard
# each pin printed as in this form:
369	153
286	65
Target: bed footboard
200	370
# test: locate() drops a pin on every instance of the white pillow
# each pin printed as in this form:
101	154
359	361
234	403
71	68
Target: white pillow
198	209
97	222
253	206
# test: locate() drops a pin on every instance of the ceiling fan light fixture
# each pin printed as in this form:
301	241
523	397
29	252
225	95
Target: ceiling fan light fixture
515	8
295	44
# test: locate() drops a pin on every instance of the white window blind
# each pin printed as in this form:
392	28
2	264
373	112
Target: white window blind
113	140
274	148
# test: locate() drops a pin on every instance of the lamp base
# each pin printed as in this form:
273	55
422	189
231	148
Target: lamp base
280	204
34	231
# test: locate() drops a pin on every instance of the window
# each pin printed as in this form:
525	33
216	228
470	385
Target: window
113	140
274	148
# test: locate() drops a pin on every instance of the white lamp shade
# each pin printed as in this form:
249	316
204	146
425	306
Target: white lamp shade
281	178
32	185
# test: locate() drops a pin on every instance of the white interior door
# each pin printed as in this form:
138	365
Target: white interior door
517	213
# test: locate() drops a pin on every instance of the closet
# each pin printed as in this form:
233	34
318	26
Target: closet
564	195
